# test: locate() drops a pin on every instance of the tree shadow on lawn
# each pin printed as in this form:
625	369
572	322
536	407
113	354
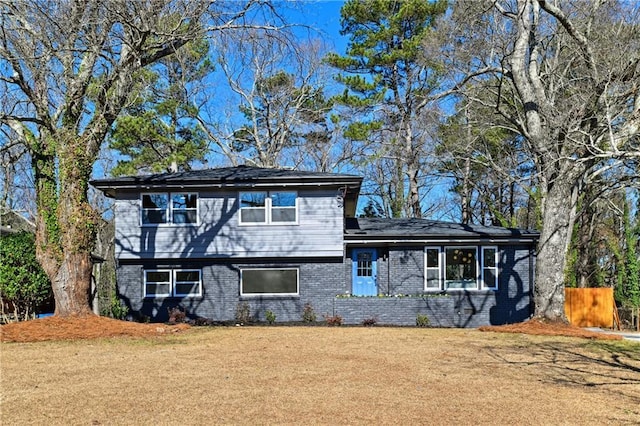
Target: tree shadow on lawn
595	365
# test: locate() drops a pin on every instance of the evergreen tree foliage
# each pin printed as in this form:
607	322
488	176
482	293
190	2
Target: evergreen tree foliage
631	280
24	286
157	133
388	86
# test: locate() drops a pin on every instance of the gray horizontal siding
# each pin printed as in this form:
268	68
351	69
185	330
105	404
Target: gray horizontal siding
319	231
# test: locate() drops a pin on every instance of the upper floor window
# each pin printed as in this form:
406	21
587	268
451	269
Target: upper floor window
274	207
177	208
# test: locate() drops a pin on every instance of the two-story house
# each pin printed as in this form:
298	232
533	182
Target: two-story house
211	240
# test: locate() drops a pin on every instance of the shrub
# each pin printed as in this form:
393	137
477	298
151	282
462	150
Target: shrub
243	313
308	313
200	321
176	315
333	321
270	316
422	320
368	322
24	286
116	309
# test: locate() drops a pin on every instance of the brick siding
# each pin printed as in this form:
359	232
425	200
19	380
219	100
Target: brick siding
400	272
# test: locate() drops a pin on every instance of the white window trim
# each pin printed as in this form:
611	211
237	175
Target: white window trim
496	268
176	282
268	206
144	283
297	293
480	268
172	283
169	209
438	267
478	271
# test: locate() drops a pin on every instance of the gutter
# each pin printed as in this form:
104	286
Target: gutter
440	241
110	190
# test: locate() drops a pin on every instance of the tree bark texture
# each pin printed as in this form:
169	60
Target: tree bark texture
555	236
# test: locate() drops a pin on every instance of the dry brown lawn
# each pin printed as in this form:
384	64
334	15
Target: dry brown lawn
321	375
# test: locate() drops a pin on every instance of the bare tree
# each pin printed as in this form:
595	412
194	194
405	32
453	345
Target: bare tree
568	82
276	110
70	67
490	172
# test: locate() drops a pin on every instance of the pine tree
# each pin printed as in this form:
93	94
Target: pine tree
388	87
157	134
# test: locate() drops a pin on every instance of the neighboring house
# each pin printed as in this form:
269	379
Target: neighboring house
209	241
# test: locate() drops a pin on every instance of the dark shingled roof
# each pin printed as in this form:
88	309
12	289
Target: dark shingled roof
379	228
231	175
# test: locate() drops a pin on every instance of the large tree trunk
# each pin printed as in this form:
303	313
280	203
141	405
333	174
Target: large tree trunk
65	230
412	207
558	217
71	285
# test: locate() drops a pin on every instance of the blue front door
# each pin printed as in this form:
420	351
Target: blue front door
364	272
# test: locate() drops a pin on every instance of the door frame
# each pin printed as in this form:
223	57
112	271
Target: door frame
373	291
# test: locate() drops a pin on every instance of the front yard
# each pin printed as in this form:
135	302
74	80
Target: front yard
322	375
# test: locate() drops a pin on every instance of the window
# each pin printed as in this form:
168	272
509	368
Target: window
184	208
432	267
157	283
168	283
364	266
253	207
186	283
261	282
164	208
461	268
490	268
262	207
154	208
283	207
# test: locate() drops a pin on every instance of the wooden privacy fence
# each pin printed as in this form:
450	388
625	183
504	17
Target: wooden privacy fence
589	307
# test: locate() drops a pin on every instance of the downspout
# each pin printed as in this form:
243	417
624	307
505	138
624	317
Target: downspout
386	256
532	283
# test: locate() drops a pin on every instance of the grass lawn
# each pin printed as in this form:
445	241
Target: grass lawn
322	375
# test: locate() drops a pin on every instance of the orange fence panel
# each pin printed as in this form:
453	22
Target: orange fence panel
589	307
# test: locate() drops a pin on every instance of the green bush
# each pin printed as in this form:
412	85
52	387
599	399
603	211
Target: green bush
270	316
115	309
422	320
23	284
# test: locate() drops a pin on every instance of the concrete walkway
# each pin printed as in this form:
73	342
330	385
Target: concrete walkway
626	334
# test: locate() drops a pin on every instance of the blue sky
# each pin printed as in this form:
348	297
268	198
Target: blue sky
324	16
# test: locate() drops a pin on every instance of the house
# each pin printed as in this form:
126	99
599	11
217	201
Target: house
276	240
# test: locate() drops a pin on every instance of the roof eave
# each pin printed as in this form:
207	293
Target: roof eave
444	239
106	185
